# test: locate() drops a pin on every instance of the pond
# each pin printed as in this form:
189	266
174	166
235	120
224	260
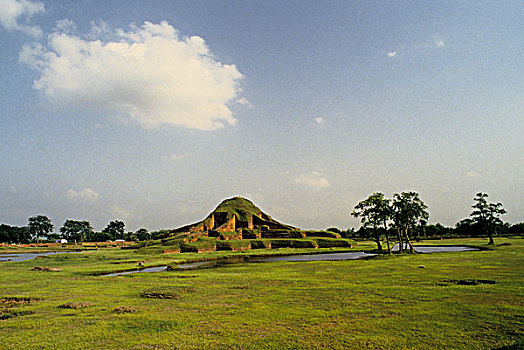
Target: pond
313	257
241	259
291	258
28	256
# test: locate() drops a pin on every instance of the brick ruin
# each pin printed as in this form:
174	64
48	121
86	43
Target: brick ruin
239	218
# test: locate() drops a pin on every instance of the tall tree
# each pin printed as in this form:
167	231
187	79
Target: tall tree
486	215
76	230
116	229
375	211
39	226
409	211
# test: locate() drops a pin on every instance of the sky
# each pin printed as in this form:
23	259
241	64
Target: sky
153	112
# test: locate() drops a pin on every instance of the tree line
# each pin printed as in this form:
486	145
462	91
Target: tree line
405	216
40	228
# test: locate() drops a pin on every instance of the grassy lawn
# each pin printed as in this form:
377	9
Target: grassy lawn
461	300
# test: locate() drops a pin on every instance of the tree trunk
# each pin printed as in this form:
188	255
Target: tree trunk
490	235
408	242
377	239
400	243
387	236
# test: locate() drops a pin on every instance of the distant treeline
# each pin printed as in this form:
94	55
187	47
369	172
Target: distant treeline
76	231
464	228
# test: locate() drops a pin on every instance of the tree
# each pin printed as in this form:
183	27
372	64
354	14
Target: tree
517	228
143	234
375	211
486	215
39	226
116	229
76	230
408	211
14	234
99	237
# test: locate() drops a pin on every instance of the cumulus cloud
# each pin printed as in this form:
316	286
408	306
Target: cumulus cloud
120	212
313	179
320	120
147	74
85	194
12	10
392	53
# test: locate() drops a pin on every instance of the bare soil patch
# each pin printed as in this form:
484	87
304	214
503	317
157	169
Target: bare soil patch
125	309
75	306
45	268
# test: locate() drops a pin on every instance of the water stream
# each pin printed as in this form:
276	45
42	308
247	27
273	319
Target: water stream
29	256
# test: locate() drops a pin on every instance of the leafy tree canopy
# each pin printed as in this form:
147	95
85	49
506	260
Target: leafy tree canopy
39	226
76	230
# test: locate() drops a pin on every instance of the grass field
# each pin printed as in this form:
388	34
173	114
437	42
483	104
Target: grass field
462	300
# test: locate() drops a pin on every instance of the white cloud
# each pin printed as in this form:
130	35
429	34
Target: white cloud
12	10
147	74
244	101
85	194
473	174
439	43
313	179
120	212
320	120
392	53
65	25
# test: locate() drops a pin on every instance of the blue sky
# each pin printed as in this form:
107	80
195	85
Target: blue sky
152	112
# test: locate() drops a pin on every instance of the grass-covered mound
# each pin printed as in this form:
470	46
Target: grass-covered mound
234	214
241	207
238	219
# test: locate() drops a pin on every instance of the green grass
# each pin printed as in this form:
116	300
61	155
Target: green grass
383	303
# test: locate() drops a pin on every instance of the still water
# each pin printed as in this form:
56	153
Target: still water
292	258
28	256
